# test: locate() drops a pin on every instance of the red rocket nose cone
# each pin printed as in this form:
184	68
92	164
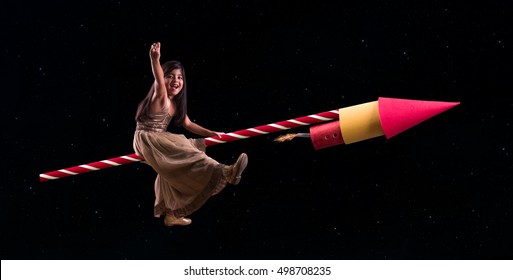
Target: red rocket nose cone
398	115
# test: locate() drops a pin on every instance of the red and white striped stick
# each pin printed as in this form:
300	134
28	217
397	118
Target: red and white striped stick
210	141
93	166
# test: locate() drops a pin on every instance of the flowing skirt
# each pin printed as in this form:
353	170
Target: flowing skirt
186	178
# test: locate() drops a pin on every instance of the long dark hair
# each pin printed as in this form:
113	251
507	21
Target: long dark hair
180	99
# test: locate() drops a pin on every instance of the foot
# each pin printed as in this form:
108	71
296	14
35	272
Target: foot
234	171
171	220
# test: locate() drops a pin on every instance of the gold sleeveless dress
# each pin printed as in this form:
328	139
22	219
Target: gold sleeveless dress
187	177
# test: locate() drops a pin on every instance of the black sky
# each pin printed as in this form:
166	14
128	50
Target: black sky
73	73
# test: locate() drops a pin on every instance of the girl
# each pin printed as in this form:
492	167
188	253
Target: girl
187	177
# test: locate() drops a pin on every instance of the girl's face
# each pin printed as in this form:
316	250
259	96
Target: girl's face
174	82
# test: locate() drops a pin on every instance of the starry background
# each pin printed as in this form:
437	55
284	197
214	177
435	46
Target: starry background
74	72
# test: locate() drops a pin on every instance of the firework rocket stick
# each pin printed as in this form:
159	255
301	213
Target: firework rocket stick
93	166
273	127
210	141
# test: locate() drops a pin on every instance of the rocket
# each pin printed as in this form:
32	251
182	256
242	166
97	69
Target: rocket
386	116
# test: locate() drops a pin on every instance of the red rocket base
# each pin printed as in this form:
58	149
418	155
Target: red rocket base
326	135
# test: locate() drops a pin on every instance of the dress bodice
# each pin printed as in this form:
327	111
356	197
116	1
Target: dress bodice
157	122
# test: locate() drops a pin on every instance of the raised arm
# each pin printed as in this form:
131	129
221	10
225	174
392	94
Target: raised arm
160	94
199	130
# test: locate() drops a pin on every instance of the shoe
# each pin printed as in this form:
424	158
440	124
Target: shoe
235	171
170	221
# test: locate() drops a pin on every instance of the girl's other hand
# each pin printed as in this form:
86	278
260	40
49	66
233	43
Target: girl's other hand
218	134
